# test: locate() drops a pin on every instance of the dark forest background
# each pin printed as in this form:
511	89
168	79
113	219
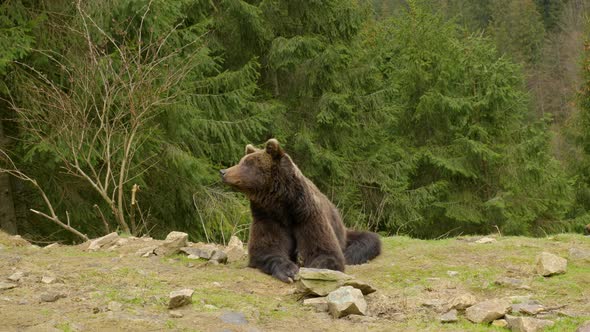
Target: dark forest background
424	118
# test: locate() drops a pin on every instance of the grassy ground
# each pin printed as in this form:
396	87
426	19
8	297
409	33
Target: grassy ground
408	273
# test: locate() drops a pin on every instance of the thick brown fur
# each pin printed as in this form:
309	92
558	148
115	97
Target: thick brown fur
587	229
292	218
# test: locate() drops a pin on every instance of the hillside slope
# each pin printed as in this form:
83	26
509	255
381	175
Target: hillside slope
117	290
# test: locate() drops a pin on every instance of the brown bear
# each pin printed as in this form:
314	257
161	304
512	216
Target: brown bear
292	218
587	229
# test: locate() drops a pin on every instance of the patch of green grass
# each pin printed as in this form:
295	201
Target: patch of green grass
65	327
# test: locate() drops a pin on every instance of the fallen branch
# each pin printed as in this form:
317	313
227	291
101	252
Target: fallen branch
61	224
14	171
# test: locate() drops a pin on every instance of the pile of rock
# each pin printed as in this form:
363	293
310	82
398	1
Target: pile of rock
175	242
515	313
333	291
216	254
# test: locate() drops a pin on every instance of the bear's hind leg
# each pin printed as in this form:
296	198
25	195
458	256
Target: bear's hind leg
318	245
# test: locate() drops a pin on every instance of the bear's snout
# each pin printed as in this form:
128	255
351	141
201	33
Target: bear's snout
222	172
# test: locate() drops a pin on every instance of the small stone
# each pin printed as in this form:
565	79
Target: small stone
510	282
320	304
204	252
146	252
48	279
485	240
322	274
549	264
585	327
51	297
360	285
449	317
579	254
121	242
172	244
180	298
16	276
6	285
437	305
114	306
487	311
527	324
235	249
500	323
51	246
210	307
232	317
452	273
463	301
528	308
345	301
218	257
104	241
175	314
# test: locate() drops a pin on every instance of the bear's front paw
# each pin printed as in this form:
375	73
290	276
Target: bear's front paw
286	271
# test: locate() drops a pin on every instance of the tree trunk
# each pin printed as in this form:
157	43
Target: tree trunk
7	213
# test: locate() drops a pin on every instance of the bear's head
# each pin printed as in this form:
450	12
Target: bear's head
258	169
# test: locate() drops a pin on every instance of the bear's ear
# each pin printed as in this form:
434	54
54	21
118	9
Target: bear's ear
274	149
250	149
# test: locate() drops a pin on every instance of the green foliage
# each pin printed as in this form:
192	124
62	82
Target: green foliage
412	124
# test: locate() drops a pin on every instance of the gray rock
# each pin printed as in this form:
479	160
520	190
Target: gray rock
585	327
320	304
180	298
219	257
146	252
549	264
485	240
204	252
452	273
104	241
487	311
114	306
510	282
235	250
322	274
360	285
121	242
232	317
16	276
528	308
172	244
345	301
6	285
527	324
579	254
175	314
463	301
437	305
48	279
316	287
51	246
449	317
322	281
51	296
